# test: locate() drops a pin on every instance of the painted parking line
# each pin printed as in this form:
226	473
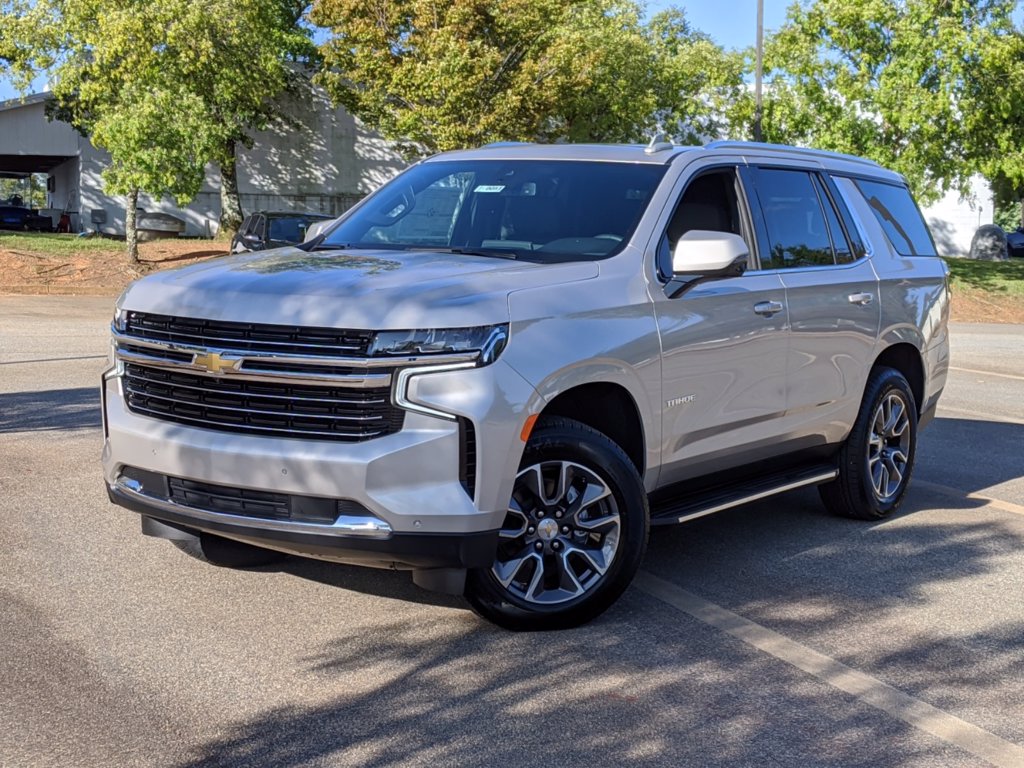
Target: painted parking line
53	360
869	690
1005	506
980	415
987	373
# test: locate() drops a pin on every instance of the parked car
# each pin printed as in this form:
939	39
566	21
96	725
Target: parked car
19	218
1015	242
265	229
504	366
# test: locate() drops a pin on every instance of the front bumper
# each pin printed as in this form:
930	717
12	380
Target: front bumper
410	481
342	542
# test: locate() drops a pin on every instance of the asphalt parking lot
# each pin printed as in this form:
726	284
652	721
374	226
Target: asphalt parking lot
768	635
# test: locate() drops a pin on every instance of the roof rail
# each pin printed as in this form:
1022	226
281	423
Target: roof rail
497	144
764	147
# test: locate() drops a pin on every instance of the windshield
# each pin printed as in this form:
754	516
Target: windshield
529	209
291	229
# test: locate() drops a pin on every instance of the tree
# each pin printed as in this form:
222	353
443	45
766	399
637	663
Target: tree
994	116
439	75
697	81
898	81
165	86
239	58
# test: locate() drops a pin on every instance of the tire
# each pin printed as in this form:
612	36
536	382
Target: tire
574	536
234	554
877	459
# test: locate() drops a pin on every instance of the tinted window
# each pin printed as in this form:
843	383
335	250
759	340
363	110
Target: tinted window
289	229
536	210
709	203
902	221
797	233
843	252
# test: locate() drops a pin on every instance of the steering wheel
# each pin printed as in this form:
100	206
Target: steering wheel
606	236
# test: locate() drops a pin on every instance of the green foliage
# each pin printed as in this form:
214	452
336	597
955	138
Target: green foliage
697	81
439	75
162	85
913	84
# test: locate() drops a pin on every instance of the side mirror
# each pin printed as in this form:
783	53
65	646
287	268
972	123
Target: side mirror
702	255
316	228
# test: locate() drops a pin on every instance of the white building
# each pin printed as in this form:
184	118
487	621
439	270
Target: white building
953	220
324	165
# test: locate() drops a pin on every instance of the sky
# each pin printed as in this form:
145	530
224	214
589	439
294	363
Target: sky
731	23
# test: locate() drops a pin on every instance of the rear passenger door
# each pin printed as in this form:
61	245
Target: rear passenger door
832	296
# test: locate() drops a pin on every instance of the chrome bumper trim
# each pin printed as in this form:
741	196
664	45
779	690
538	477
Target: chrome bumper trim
344	526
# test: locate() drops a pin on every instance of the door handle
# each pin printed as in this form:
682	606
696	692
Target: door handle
861	298
768	308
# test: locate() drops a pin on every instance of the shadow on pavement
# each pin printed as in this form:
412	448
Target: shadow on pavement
647	685
636	688
971	455
54	409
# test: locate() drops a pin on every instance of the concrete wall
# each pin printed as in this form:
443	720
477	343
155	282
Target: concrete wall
953	220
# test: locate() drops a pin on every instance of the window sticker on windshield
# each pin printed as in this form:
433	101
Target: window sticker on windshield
492	188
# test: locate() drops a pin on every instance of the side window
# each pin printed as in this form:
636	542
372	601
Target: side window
258	227
246	227
840	245
797	233
899	216
709	202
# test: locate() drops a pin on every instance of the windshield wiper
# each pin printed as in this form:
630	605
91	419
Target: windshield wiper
334	247
472	252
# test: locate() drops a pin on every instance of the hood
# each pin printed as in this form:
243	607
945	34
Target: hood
375	290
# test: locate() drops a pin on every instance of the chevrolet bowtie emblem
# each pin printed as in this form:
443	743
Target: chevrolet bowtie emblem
214	363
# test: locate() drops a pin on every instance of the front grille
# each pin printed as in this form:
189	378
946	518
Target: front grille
237	404
249	337
232	501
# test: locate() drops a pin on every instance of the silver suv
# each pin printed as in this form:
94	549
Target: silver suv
507	364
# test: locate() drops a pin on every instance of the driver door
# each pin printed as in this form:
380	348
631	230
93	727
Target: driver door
724	343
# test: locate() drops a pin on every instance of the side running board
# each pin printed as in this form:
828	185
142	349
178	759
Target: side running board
682	508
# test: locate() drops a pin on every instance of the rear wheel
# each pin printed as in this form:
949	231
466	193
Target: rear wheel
877	459
574	534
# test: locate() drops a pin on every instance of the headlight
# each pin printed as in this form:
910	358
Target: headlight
488	341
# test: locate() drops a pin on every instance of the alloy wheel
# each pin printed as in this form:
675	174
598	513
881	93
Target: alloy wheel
560	534
889	446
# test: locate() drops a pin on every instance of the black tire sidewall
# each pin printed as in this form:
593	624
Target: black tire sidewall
854	465
566	440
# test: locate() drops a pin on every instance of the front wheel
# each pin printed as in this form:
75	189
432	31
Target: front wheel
573	537
877	459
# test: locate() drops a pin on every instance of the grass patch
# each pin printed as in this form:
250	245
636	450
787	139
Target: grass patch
1002	278
52	244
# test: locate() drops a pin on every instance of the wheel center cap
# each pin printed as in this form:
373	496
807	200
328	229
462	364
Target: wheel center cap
547	529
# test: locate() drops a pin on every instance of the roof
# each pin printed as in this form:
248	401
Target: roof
24	101
665	153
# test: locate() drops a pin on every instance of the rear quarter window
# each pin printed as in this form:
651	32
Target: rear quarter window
899	217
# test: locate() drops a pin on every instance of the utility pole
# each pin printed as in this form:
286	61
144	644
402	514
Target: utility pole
759	73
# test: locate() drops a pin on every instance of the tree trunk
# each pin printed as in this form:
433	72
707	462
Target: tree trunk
1022	213
230	205
131	231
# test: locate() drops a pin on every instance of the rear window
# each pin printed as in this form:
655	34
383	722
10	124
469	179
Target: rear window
899	216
